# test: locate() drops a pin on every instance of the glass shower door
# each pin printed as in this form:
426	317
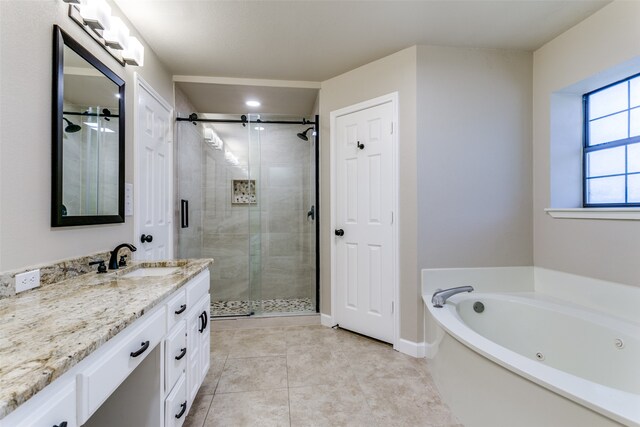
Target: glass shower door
255	218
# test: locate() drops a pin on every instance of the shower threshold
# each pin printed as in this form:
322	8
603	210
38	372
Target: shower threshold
267	307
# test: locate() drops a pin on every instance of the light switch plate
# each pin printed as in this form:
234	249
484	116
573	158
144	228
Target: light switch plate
128	199
27	280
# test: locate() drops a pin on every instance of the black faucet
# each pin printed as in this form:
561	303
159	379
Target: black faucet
113	261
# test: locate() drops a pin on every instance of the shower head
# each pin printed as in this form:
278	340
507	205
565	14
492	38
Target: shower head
303	135
71	127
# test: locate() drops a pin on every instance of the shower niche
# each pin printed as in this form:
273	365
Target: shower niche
250	185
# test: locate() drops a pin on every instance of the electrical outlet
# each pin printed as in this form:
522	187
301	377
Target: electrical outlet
27	280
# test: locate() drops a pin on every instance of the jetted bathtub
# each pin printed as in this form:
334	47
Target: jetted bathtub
584	356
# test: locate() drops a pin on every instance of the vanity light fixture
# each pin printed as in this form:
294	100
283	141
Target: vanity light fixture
117	35
258	128
134	52
110	32
96	14
252	103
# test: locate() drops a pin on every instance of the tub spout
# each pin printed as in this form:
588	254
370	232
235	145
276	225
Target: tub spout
440	296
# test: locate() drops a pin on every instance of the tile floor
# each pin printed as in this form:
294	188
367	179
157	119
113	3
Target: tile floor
265	372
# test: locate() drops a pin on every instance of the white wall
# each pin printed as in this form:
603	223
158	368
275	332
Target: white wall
26	39
474	156
596	50
465	156
393	73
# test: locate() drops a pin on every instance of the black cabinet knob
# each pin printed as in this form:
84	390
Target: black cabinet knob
339	232
146	238
62	424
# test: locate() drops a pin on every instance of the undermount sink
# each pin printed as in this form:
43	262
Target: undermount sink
151	272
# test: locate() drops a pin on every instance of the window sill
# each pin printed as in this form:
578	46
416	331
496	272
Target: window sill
596	213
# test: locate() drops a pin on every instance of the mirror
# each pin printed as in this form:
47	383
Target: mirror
88	137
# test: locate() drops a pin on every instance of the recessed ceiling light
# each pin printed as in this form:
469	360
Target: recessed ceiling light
252	103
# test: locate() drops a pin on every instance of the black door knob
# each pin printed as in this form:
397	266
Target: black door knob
146	238
360	145
339	232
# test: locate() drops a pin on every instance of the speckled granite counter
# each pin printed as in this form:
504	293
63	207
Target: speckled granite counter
45	332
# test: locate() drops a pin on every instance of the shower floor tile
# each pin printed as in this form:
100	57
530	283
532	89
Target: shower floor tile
279	305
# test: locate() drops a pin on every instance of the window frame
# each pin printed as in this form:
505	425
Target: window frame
586	149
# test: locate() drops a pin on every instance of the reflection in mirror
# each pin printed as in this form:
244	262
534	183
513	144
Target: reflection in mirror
88	138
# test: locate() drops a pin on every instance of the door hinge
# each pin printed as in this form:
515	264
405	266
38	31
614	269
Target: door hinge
392	127
391	217
392	307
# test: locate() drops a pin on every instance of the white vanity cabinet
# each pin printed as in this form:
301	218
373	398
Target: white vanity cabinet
185	347
198	338
153	369
57	409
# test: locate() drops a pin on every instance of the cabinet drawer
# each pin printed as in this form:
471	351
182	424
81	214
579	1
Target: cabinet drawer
176	308
175	405
197	287
176	355
51	407
117	359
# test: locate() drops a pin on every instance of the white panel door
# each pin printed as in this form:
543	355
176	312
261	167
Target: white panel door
364	200
154	147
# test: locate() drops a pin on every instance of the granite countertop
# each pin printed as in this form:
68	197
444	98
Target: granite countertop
46	331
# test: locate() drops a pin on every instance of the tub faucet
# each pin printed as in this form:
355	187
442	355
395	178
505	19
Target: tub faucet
113	261
440	296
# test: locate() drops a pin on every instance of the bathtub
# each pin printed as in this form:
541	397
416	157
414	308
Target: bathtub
528	359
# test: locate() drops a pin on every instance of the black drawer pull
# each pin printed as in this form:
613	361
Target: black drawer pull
62	424
183	351
206	320
183	410
201	326
145	346
182	308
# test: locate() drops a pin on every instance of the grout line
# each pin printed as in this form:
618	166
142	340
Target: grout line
204	420
288	388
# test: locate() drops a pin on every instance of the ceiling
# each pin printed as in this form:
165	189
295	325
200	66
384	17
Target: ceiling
317	40
222	98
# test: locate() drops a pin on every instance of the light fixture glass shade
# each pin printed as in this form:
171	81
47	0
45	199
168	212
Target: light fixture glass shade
117	35
96	14
133	54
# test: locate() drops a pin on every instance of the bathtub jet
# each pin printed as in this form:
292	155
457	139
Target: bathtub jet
440	296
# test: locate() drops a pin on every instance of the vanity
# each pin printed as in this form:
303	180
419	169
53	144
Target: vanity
126	348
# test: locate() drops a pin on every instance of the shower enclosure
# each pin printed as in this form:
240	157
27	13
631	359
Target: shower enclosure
247	188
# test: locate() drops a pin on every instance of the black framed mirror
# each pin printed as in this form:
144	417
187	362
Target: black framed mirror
87	137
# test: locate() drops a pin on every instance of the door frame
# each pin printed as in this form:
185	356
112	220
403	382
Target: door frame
393	98
141	84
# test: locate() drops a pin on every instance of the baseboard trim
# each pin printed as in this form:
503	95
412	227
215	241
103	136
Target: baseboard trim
326	320
415	349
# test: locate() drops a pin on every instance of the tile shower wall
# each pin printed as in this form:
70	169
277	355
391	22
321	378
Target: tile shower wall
225	228
286	194
273	238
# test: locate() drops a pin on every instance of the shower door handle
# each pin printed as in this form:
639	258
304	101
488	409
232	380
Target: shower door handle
184	213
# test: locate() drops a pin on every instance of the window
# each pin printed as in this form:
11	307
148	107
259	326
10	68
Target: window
611	161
